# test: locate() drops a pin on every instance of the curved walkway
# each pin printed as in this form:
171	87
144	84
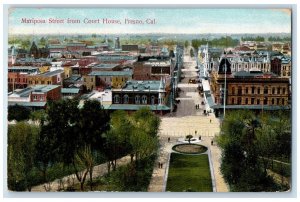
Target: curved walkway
99	170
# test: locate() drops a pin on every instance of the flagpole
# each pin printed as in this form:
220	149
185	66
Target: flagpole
225	85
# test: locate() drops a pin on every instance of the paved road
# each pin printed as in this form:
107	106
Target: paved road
187	119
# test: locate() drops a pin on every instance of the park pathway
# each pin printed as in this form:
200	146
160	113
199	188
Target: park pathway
99	170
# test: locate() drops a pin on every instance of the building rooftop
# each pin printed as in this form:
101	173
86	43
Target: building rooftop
73	78
44	88
70	90
35	89
48	74
76	44
56	46
28	104
251	74
258	107
105	66
22	67
111	73
137	107
141	85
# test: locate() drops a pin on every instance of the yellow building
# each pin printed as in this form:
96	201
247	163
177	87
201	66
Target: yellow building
67	71
44	69
103	79
48	78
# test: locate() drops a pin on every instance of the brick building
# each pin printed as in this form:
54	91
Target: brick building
152	68
250	90
137	94
34	96
49	78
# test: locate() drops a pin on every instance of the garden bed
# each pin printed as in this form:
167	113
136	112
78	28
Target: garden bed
189	173
189	148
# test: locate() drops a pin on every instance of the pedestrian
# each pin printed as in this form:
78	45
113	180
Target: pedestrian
210	120
212	142
158	164
161	165
200	137
168	139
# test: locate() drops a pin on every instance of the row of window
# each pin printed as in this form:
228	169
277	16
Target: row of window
258	90
253	101
36	98
137	99
40	82
105	79
10	80
263	65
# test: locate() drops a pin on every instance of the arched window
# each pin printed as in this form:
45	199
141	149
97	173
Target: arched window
144	99
137	99
278	90
239	90
273	90
266	90
116	99
125	99
258	90
152	99
233	90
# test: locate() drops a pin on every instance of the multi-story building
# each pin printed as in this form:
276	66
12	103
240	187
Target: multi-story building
152	68
136	94
249	90
281	66
34	96
49	78
104	79
18	76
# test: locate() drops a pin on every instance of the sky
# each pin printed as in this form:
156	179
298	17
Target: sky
172	20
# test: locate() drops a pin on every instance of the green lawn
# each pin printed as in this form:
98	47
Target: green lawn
189	173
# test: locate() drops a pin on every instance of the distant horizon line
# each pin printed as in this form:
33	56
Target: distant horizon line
62	33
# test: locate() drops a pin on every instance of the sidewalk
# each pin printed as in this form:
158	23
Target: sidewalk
173	127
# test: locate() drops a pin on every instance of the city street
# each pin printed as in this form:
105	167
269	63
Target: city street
188	120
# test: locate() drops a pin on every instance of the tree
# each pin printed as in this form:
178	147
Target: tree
18	113
38	115
46	153
171	54
42	42
83	159
93	121
189	137
61	123
22	139
186	43
192	53
145	119
245	140
117	141
25	44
